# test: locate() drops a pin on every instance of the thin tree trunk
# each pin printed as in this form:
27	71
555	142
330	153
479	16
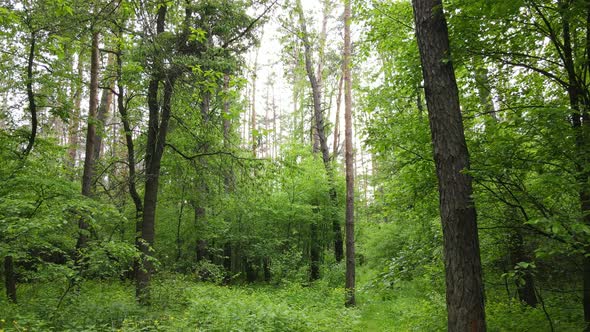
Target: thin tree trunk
349	160
178	227
201	185
253	121
31	95
75	117
464	286
337	120
319	124
314	271
106	100
132	179
89	161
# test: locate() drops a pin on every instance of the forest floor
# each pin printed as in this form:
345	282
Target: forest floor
181	304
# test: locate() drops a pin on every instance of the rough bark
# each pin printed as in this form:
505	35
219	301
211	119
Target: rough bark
349	161
579	103
464	287
89	171
159	117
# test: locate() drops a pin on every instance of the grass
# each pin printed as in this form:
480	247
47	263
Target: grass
180	304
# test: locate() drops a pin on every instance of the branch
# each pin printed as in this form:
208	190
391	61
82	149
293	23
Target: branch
250	26
204	154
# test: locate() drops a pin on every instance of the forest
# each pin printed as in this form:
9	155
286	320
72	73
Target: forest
295	165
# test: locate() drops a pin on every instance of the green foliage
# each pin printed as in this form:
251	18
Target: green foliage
180	305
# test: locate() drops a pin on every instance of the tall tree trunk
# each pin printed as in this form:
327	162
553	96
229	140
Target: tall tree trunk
89	161
159	117
228	180
253	124
106	100
580	118
75	117
464	286
132	177
337	120
201	185
128	131
31	94
319	124
349	161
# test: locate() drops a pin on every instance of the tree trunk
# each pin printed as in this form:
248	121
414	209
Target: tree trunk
31	95
159	118
10	278
178	227
526	286
253	124
319	125
201	186
75	117
89	161
132	177
349	160
579	103
103	109
314	253
337	120
201	249
464	286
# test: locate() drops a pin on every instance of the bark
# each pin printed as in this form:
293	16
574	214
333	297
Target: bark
337	121
106	100
319	125
200	214
349	161
178	227
75	117
201	185
482	83
314	253
159	117
579	103
464	286
253	124
228	179
89	171
226	112
526	287
31	95
10	278
586	285
132	178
